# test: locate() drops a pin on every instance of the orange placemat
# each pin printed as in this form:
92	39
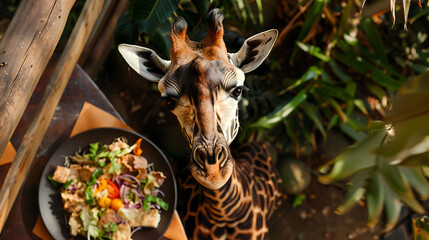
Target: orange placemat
8	154
93	117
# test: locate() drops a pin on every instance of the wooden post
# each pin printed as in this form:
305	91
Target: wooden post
25	50
46	109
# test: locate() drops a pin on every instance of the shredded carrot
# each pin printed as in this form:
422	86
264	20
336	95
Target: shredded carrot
137	150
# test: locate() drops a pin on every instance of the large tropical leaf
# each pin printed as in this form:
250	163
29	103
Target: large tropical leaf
355	192
202	6
409	117
417	180
392	207
374	38
150	14
375	198
411	99
357	157
281	112
399	184
310	20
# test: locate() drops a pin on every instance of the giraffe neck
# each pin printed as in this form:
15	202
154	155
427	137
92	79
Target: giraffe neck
234	198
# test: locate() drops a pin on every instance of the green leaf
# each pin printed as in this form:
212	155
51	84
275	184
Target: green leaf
260	12
332	90
312	73
422	13
411	99
416	160
411	138
202	6
338	109
150	198
150	14
89	192
54	183
110	227
125	30
374	199
392	207
417	180
339	72
384	80
377	91
281	112
351	132
298	200
93	149
310	20
314	51
355	192
67	184
162	39
357	157
333	122
374	38
361	105
115	167
399	184
313	114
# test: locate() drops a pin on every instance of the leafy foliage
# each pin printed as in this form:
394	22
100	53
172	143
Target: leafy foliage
349	87
388	163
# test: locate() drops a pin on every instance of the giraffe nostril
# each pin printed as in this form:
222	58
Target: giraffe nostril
222	156
199	158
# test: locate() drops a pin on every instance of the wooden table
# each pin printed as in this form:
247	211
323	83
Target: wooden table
80	88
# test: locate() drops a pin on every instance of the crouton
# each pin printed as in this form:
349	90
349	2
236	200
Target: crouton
61	174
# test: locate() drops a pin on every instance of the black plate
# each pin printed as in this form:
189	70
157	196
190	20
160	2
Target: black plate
50	204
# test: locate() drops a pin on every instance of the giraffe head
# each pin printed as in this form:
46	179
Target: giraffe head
202	85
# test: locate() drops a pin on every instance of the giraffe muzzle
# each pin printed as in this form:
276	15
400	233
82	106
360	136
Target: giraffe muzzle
212	165
204	156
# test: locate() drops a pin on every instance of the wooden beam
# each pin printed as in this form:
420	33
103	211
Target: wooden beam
102	47
105	15
47	106
25	50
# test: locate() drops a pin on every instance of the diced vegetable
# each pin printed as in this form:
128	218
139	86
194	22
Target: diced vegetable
113	189
104	202
116	204
137	150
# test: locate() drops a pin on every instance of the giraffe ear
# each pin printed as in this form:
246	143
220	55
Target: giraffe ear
144	61
254	51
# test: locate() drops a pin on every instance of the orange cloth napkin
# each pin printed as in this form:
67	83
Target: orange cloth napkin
93	117
8	154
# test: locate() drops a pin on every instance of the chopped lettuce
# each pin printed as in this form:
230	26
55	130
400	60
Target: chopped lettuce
89	192
150	198
110	227
67	184
54	183
89	219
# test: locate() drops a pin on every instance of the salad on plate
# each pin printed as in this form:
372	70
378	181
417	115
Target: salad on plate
110	191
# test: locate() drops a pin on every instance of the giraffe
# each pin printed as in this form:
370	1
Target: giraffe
224	195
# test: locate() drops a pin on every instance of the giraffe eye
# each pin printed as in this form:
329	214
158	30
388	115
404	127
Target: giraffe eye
171	103
236	92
